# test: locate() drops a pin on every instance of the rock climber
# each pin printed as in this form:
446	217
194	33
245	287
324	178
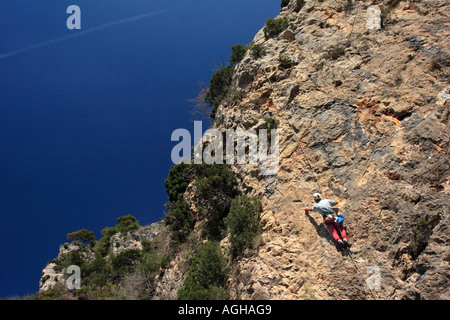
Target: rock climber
331	220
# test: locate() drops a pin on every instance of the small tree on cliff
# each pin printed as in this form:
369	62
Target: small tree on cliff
243	223
83	235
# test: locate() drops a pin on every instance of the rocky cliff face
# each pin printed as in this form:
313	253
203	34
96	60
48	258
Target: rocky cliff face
360	91
363	117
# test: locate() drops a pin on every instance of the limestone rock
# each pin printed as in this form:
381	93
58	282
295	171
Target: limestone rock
287	35
169	282
443	96
133	240
49	277
362	118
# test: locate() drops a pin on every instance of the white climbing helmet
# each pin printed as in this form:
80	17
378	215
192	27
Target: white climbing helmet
317	196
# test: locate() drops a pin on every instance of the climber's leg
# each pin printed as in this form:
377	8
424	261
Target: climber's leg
343	232
333	232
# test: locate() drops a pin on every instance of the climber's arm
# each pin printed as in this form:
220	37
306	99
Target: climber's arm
332	202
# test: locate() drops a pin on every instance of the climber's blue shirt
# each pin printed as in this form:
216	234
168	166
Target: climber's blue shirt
324	207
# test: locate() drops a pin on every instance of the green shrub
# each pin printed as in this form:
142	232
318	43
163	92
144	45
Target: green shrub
58	292
207	275
212	181
150	263
102	245
215	229
127	223
178	180
284	3
257	50
152	260
96	273
165	260
216	184
237	53
109	232
148	246
269	124
218	86
284	60
335	52
82	235
243	223
213	177
420	237
179	219
125	262
275	26
67	259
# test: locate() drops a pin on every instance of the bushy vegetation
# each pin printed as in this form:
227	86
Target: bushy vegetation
257	50
215	183
73	257
238	52
127	223
110	275
420	236
243	223
269	124
97	273
178	180
82	235
284	3
275	26
285	60
179	218
218	87
102	245
335	52
213	177
207	276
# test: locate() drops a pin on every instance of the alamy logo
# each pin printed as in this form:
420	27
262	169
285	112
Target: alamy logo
74	21
74	281
238	147
374	281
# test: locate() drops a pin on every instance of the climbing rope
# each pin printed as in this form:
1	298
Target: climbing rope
362	276
354	20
